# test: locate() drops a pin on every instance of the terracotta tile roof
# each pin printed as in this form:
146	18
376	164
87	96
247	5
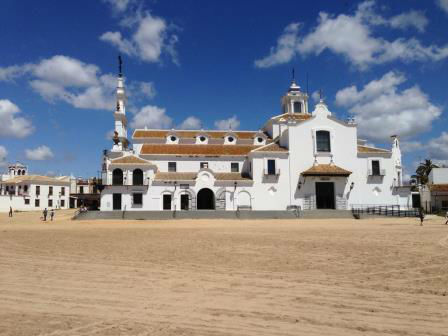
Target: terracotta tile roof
326	170
231	177
192	134
272	147
293	116
130	159
438	187
367	149
197	150
37	179
164	176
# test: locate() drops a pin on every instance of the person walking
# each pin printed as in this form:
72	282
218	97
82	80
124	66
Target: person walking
446	218
52	214
44	213
421	215
10	211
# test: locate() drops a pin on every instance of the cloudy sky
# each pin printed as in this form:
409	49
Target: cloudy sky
208	64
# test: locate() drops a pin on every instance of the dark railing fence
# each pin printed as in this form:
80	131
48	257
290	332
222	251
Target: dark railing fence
384	210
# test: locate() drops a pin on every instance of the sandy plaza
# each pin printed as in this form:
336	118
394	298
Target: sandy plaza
382	276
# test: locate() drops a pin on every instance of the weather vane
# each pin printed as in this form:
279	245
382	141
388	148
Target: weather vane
120	63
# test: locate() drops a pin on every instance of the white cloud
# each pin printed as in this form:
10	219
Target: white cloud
438	147
150	37
151	117
191	123
39	153
118	5
10	124
148	89
315	96
443	4
351	36
382	110
3	154
413	18
63	78
119	42
226	124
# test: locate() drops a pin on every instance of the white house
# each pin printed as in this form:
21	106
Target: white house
24	192
434	195
297	159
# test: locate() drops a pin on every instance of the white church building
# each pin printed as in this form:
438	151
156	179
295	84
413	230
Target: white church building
298	159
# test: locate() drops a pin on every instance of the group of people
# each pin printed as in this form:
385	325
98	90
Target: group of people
45	214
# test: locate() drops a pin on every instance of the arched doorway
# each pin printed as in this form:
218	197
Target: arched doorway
117	177
137	177
205	199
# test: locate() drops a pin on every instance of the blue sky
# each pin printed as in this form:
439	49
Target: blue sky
210	64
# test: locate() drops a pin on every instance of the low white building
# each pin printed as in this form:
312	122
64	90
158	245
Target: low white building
298	159
24	192
434	195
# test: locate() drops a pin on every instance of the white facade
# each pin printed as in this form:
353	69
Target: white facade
298	159
34	192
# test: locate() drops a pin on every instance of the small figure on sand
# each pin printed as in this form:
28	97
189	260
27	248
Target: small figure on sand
44	213
52	214
446	218
421	215
10	211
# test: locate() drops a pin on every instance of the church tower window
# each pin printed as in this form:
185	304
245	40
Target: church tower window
323	141
297	107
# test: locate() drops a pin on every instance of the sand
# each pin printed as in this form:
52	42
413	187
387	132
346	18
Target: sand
290	277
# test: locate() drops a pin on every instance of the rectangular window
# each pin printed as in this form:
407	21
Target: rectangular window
271	167
445	204
172	167
137	198
81	190
203	165
323	141
234	167
376	168
27	201
63	191
50	203
37	190
50	191
37	203
62	203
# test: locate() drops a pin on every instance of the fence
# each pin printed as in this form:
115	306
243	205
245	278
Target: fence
384	210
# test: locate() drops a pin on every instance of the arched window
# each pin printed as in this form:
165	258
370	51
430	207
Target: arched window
137	177
297	107
117	177
323	141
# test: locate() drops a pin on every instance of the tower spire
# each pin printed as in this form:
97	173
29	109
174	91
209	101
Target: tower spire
120	65
293	74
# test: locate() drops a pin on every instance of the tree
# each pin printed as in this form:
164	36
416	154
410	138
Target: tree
423	170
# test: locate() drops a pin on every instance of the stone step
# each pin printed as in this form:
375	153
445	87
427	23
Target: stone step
199	214
326	213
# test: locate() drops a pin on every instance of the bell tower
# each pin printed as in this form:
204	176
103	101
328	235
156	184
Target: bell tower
295	100
120	132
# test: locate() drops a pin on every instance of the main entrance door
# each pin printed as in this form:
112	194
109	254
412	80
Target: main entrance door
184	202
205	199
325	195
167	202
116	200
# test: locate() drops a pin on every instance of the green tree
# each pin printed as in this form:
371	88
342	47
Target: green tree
423	170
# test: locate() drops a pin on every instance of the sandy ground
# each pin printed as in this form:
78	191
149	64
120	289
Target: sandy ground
289	277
